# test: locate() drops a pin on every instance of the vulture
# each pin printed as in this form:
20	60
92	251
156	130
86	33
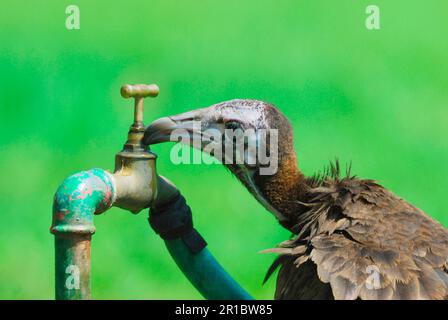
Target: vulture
351	238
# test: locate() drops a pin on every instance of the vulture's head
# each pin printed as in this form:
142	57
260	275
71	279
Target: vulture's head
252	138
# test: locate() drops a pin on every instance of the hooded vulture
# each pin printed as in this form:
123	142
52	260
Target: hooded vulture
352	238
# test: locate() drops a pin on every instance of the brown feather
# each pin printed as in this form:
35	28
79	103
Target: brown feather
356	231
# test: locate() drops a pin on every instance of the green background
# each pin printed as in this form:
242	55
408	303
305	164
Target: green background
377	98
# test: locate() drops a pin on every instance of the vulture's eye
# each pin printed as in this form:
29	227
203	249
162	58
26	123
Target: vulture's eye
233	125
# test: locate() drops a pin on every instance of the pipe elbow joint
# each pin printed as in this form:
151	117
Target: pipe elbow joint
78	198
133	186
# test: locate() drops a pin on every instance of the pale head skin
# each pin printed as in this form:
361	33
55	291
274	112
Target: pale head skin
249	116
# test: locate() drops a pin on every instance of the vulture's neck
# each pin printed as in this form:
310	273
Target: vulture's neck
284	190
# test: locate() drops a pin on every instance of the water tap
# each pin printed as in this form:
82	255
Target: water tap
135	177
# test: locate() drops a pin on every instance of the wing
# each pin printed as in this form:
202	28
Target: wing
367	243
300	282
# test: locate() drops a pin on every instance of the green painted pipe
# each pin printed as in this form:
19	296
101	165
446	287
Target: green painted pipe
205	273
131	187
76	201
87	193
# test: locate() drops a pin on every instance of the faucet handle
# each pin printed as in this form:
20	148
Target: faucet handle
139	92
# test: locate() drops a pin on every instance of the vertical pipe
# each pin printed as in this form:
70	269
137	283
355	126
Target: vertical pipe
76	201
72	267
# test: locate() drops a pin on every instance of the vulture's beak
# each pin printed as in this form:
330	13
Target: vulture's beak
184	124
159	131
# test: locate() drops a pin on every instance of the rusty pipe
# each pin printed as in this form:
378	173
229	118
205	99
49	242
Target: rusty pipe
81	196
132	186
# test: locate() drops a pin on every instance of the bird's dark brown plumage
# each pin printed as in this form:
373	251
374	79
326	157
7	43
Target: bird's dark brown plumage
352	238
352	233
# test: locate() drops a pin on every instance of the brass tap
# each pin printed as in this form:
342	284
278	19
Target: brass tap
135	175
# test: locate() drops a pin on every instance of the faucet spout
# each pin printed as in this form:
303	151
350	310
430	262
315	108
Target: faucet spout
135	180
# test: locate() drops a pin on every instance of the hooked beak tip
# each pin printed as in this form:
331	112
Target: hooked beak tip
159	131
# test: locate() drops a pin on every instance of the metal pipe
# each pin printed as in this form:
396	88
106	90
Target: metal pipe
87	193
84	194
133	186
78	198
72	270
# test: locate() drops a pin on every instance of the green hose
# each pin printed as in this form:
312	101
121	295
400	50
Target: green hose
205	273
